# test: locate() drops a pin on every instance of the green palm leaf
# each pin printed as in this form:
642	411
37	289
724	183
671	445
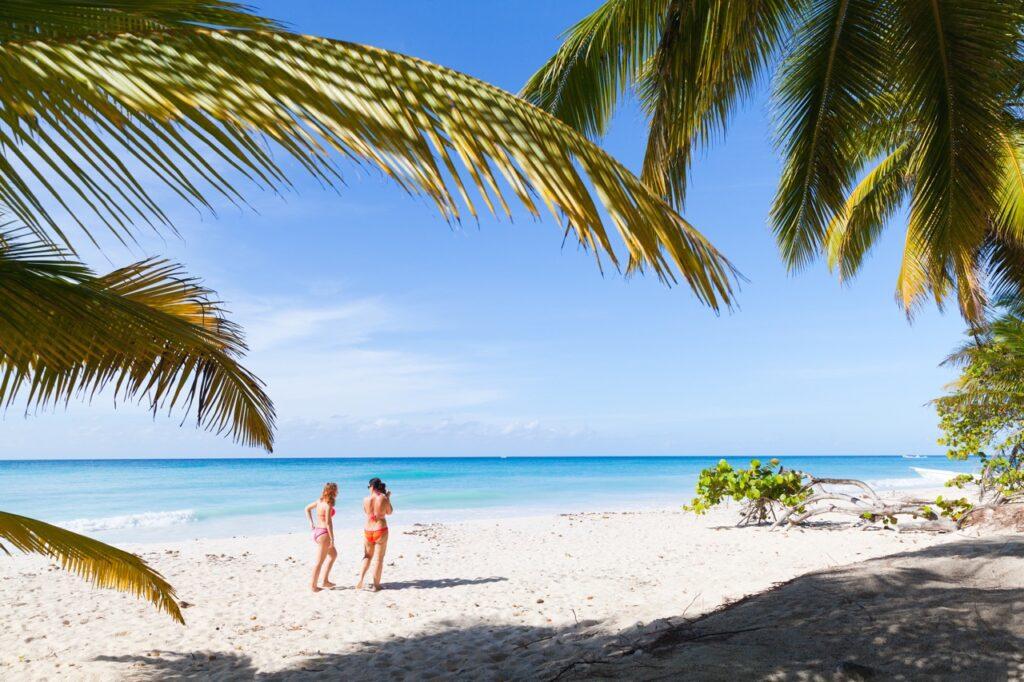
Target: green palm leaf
956	62
835	65
853	230
148	331
33	18
99	563
1003	252
174	98
690	62
602	57
939	80
710	58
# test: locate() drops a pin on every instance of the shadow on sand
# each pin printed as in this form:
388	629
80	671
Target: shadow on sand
949	612
439	584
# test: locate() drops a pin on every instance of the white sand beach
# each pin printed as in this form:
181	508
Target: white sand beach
517	598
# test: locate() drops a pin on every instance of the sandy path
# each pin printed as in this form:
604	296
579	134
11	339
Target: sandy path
515	599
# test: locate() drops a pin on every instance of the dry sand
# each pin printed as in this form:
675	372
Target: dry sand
512	599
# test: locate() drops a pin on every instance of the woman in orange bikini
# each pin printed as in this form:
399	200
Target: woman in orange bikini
323	533
376	505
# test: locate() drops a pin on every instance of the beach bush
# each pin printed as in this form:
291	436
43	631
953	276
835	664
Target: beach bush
982	417
764	489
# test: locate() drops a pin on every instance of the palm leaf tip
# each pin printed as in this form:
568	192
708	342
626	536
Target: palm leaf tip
101	564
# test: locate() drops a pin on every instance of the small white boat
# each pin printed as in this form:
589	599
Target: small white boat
914	456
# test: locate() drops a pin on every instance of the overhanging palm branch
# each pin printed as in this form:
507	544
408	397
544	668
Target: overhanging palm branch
855	227
859	79
602	57
99	563
21	18
833	65
689	61
949	66
148	331
174	98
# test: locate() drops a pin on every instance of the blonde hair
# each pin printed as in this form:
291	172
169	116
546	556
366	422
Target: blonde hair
330	493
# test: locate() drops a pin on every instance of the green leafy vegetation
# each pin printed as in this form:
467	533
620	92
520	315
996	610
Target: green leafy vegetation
982	417
764	489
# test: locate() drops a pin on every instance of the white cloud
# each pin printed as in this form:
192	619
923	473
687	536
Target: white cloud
355	359
278	323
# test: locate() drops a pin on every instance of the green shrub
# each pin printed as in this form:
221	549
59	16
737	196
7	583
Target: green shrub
764	489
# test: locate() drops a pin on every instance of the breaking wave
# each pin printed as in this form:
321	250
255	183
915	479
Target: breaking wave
144	520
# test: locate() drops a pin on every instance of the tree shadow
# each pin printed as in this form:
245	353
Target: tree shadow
948	612
440	583
452	650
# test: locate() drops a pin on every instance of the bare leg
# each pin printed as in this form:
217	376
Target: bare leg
332	554
378	557
367	555
321	553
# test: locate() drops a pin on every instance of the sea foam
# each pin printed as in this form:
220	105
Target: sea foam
926	478
144	520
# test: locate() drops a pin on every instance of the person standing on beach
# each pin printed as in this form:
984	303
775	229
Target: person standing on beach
323	533
376	506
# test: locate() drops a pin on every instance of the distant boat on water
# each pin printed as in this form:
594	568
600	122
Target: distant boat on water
914	456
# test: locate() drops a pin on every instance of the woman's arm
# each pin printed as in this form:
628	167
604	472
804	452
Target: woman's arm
309	513
387	503
330	526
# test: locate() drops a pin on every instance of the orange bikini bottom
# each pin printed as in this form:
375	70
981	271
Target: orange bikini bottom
372	536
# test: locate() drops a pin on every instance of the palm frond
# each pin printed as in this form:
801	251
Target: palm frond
148	331
31	19
1009	219
102	565
918	277
173	99
601	57
833	67
955	63
710	57
852	232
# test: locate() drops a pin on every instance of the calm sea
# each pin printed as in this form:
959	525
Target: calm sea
151	500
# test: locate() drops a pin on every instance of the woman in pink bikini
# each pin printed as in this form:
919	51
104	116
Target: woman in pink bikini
321	522
376	505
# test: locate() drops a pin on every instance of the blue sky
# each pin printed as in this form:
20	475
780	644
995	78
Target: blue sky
382	330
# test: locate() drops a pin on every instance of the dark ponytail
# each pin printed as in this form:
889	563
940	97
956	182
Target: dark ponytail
378	486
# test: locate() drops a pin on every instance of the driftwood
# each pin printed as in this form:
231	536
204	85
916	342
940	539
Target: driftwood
824	500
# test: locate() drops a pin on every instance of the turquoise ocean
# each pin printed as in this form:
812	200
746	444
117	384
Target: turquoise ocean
149	500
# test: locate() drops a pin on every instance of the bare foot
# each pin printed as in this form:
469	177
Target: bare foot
359	585
328	585
375	588
315	588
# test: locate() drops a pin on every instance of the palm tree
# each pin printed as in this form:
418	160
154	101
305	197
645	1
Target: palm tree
879	104
192	92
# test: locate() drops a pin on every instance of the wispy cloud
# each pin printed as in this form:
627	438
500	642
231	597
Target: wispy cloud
436	435
360	359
